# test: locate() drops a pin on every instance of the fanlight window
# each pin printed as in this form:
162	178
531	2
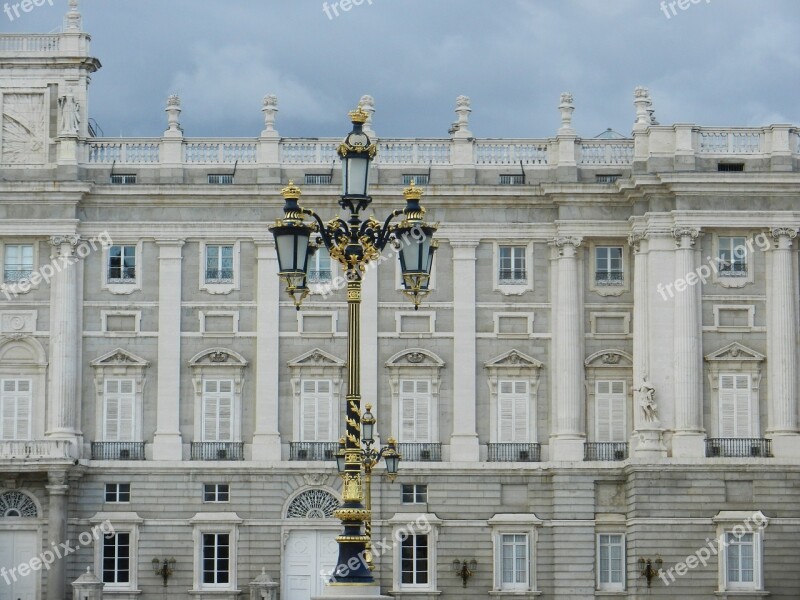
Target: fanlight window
17	504
313	504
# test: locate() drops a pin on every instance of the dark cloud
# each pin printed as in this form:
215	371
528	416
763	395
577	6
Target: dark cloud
718	62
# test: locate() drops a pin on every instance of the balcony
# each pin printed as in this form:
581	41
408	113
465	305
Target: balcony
609	278
605	451
738	447
318	451
117	450
427	452
515	452
217	451
36	450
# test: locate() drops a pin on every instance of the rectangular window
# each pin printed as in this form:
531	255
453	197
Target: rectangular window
217	179
117	559
607	178
319	267
730	167
417	179
217	410
219	264
119	401
15	409
415	410
610	411
608	265
216	492
514	561
611	561
122	264
123	179
414	560
513	403
18	263
512	179
118	492
734	406
316	410
312	179
414	493
216	559
740	564
513	267
732	257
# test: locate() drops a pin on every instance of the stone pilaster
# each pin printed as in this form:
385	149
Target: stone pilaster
167	442
689	436
464	440
57	490
267	439
568	434
65	341
782	346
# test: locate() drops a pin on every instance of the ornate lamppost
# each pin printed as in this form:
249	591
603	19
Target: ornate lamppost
354	243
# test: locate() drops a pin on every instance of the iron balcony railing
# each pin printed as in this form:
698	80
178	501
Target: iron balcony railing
605	451
117	450
318	276
513	276
17	273
219	275
217	451
733	447
313	450
609	277
515	452
421	452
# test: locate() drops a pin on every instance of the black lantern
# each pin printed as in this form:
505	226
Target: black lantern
416	245
292	243
356	151
340	460
392	458
368	425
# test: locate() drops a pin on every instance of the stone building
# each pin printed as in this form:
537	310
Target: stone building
603	377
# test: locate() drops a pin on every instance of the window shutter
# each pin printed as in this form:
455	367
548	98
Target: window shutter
210	409
513	402
15	402
225	422
617	411
727	406
217	410
742	407
316	411
415	411
610	411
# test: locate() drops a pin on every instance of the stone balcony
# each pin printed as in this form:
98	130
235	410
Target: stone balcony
36	450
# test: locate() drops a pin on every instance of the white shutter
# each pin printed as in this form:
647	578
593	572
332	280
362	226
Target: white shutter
610	411
120	402
217	410
727	406
15	409
742	404
513	402
415	410
316	407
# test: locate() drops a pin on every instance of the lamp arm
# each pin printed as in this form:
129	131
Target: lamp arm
385	232
323	231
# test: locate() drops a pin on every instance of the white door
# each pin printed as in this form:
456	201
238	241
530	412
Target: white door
308	555
16	548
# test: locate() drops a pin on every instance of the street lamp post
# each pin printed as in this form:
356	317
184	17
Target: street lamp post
354	243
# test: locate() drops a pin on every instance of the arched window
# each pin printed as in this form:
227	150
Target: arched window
17	504
312	504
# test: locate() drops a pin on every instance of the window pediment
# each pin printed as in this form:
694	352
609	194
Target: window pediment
218	357
735	352
415	357
316	358
609	359
120	358
514	359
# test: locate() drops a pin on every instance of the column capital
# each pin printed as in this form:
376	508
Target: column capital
635	238
57	483
72	239
783	236
463	242
685	237
567	245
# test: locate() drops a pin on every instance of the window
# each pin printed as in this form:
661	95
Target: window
414	560
217	179
417	179
740	534
15	409
514	545
116	559
123	179
732	257
319	267
611	561
608	265
415	410
119	401
216	559
513	401
734	406
219	264
512	267
318	179
414	493
118	492
730	167
18	263
316	408
740	563
122	264
216	492
607	178
217	410
512	179
610	411
514	558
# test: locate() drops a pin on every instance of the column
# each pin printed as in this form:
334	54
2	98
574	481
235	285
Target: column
781	347
464	445
267	439
167	443
65	341
568	433
689	437
369	344
57	490
647	438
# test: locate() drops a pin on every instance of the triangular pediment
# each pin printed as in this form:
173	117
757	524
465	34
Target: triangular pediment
415	357
218	357
514	359
735	352
119	357
316	358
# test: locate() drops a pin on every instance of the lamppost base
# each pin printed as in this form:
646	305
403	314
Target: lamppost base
352	592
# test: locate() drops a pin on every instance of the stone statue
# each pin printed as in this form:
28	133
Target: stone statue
70	114
647	401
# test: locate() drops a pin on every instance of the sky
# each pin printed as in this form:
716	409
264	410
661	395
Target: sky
712	62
